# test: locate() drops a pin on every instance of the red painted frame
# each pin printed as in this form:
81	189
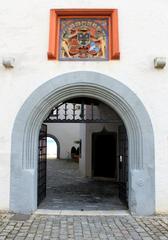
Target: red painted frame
56	14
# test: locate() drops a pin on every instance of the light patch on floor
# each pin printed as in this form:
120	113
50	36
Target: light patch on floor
82	213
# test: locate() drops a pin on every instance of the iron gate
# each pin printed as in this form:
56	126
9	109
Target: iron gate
123	164
42	164
78	110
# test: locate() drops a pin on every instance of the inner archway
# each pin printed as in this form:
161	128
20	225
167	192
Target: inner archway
53	146
27	124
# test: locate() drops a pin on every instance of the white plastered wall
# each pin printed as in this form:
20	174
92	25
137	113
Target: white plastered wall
143	36
67	134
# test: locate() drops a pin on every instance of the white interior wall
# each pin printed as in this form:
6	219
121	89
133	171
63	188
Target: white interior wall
82	160
66	133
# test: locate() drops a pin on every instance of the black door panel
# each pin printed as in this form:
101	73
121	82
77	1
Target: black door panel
123	164
42	162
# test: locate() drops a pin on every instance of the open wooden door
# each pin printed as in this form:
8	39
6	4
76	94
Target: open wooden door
123	164
42	164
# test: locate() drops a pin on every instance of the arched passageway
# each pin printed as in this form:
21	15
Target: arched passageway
96	175
23	197
53	146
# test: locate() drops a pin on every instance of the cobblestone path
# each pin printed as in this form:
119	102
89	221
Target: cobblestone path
39	227
67	190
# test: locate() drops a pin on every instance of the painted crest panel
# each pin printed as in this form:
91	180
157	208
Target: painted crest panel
83	39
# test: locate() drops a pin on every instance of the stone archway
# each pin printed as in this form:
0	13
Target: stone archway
23	194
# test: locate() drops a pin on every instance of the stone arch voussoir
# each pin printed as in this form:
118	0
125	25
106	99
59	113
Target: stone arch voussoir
88	84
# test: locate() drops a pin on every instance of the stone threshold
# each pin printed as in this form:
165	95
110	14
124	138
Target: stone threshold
82	213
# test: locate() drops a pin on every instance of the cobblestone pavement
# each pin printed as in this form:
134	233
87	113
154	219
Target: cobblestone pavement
45	227
67	190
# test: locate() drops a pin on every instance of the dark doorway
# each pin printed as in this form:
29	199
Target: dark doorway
104	154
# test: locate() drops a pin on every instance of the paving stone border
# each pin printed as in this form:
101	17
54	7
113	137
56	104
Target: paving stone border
43	227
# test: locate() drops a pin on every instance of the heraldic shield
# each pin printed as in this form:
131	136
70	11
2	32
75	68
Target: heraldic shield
83	39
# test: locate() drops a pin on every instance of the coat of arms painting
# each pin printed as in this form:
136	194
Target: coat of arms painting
83	39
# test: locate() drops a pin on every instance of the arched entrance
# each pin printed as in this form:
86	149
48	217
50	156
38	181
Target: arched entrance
57	147
95	176
141	199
